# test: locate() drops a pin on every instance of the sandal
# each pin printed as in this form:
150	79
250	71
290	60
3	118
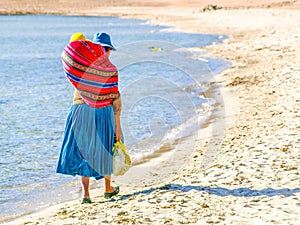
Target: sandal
86	201
111	194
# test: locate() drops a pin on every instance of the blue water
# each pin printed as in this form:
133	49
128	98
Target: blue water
161	84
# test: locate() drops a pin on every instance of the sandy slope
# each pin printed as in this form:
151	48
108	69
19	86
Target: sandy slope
79	6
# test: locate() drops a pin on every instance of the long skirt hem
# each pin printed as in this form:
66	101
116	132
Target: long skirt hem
88	141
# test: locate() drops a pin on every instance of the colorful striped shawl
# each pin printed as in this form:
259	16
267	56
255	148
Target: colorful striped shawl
89	70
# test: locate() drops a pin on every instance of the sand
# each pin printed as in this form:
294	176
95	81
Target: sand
253	175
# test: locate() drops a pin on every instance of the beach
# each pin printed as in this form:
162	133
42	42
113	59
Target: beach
244	169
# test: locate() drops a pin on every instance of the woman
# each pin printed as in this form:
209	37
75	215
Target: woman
93	124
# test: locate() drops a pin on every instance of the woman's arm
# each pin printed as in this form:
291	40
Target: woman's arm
117	105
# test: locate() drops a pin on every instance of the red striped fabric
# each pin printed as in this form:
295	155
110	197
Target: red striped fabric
90	71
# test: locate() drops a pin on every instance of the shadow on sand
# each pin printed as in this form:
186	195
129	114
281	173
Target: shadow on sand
219	191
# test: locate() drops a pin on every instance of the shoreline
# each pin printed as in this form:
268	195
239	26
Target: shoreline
254	177
147	172
144	173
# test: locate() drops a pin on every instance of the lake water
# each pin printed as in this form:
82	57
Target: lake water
162	84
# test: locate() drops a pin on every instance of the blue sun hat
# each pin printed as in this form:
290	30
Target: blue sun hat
104	40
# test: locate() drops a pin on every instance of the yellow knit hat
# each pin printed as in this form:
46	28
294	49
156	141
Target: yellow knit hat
77	37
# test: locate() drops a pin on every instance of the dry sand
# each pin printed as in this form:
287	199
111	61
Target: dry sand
254	177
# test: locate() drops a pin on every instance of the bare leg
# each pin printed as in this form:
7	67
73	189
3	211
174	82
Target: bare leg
109	190
108	187
85	181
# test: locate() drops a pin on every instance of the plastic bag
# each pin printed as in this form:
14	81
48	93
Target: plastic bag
121	159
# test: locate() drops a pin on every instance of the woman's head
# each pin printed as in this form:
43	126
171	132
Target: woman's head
106	48
104	40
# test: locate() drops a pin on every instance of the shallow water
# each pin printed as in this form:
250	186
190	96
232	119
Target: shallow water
162	88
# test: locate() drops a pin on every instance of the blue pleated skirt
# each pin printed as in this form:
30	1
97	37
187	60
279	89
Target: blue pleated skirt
88	141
